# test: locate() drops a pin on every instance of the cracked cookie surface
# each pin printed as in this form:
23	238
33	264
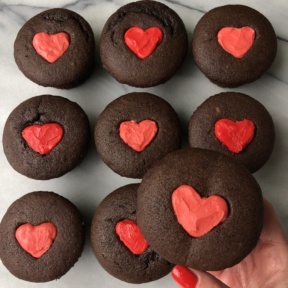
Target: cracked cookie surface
74	66
65	156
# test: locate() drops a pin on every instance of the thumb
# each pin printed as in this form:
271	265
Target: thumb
190	278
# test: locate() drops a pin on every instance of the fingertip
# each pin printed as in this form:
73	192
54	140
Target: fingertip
184	277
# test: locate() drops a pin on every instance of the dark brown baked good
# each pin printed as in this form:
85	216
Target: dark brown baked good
46	136
143	265
234	124
215	245
143	44
228	62
62	249
56	48
134	131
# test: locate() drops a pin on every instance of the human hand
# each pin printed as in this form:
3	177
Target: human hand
265	267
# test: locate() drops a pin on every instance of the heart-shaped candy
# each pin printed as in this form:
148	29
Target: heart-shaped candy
36	240
198	215
130	234
236	41
138	135
234	135
143	42
51	47
43	138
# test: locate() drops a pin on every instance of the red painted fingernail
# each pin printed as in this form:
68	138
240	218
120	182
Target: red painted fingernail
184	277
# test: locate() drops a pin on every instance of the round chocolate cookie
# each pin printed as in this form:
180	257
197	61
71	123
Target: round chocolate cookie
119	245
41	237
143	44
56	48
233	45
234	124
134	131
46	136
200	208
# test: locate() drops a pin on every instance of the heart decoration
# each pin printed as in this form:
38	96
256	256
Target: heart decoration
234	135
138	135
198	215
143	42
43	138
51	46
36	240
130	234
236	41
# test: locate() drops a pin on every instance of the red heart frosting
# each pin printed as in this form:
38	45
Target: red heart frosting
234	135
51	47
236	41
198	215
43	138
143	42
138	135
36	240
130	234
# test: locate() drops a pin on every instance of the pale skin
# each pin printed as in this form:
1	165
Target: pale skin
265	267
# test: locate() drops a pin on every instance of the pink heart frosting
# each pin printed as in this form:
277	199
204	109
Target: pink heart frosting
138	135
51	47
198	215
36	240
236	41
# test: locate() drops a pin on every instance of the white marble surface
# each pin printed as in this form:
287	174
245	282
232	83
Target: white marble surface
89	183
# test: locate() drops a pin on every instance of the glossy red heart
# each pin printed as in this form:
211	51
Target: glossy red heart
143	42
43	138
130	234
234	135
236	41
138	135
36	240
198	215
51	46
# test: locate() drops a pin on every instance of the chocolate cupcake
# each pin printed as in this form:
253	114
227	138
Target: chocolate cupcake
234	124
200	208
143	44
56	48
233	45
41	237
134	131
46	136
118	243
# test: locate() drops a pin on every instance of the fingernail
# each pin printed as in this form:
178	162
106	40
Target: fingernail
184	276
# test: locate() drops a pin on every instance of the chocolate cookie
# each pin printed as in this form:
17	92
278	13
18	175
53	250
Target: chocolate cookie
143	44
234	124
46	136
41	237
119	245
233	45
134	131
200	208
55	48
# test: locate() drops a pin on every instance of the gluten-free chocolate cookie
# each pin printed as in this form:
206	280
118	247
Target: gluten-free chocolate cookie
233	45
41	237
118	243
134	131
55	48
143	44
200	208
46	136
234	124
